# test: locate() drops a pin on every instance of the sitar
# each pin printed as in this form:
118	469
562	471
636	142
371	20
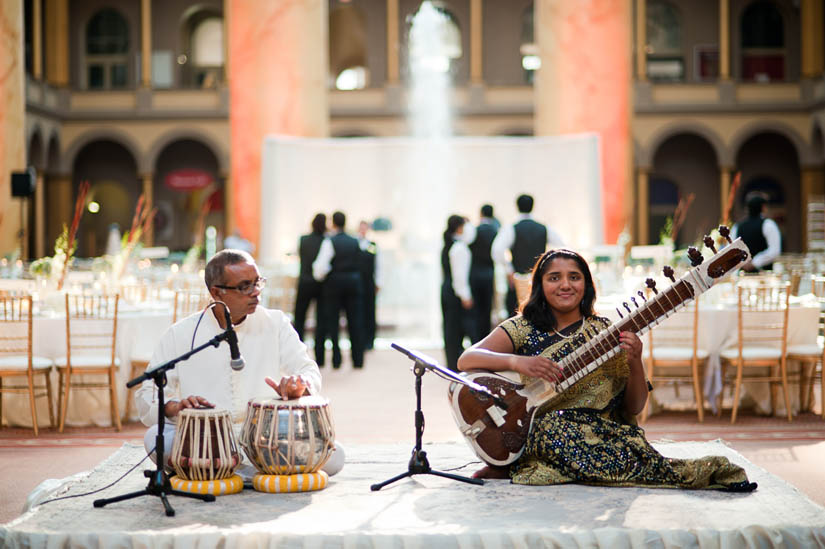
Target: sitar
497	428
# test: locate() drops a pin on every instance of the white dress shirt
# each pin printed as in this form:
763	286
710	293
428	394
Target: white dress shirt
268	343
323	261
770	230
506	237
460	258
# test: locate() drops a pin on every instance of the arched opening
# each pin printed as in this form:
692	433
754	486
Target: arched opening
665	59
763	42
107	51
530	59
769	162
348	48
188	194
202	63
685	163
111	171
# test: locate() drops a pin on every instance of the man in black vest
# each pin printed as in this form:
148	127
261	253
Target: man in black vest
367	264
308	288
482	271
761	234
337	264
526	240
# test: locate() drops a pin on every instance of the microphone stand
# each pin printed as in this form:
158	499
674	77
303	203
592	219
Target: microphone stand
419	465
159	484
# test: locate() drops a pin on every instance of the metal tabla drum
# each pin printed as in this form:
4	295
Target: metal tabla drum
286	437
204	447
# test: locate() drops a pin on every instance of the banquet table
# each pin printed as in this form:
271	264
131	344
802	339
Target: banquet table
138	330
717	330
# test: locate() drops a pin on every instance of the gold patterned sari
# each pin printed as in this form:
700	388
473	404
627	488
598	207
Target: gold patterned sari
583	435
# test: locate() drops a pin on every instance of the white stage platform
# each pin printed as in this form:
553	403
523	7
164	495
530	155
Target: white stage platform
428	511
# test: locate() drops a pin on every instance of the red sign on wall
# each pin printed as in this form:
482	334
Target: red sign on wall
188	180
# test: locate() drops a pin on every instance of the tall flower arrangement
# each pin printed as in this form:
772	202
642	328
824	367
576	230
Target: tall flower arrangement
734	187
66	243
141	221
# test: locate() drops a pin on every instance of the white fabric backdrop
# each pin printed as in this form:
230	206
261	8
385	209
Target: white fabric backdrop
417	184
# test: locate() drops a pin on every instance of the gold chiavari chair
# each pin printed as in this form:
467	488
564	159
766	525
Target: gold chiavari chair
16	358
762	335
674	356
185	303
91	335
811	357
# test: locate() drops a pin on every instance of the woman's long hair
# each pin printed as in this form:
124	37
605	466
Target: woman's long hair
537	310
319	224
454	222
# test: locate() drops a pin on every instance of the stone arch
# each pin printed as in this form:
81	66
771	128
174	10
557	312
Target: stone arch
36	149
170	137
646	153
803	150
103	134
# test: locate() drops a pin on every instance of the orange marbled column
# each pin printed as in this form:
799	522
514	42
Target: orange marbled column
277	85
12	119
584	85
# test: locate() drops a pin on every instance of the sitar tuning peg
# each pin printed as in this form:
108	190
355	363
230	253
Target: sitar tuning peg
709	243
695	257
667	270
642	294
725	232
626	306
650	283
619	313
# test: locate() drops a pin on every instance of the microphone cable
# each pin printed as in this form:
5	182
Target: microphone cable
121	477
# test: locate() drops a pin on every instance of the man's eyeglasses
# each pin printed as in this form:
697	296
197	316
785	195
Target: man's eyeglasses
246	287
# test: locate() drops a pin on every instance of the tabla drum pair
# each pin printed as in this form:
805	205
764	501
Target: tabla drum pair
288	437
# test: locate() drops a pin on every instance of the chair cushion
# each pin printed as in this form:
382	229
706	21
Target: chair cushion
21	362
87	361
807	349
753	353
677	353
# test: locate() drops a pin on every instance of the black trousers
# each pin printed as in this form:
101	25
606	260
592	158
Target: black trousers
457	323
482	288
343	291
309	290
369	312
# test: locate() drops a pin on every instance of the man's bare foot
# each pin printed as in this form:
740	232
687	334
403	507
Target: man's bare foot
492	471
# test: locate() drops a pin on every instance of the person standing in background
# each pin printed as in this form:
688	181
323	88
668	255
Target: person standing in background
338	265
482	273
310	289
456	298
369	277
526	240
761	234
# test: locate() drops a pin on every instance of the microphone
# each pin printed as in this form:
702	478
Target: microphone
237	362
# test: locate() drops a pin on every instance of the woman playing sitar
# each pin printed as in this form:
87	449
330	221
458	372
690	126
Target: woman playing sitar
589	433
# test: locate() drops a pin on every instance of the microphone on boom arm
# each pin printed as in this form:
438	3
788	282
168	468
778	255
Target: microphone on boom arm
237	362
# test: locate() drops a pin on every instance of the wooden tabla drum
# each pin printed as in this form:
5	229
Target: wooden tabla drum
286	437
204	447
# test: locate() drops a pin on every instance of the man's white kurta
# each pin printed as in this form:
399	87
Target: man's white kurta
268	343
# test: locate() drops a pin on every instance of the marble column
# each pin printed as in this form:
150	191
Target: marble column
146	43
148	181
37	39
813	42
393	45
584	85
12	120
643	204
724	39
277	85
40	216
57	42
641	41
476	64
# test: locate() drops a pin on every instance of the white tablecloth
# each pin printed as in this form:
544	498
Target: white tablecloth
137	333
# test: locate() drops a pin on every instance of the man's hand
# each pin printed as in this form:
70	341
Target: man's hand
289	387
511	280
173	408
467	303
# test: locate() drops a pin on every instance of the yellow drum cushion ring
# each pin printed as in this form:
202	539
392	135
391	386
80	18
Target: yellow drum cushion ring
302	482
231	485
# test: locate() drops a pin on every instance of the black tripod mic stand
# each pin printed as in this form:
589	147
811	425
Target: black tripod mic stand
419	465
158	479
